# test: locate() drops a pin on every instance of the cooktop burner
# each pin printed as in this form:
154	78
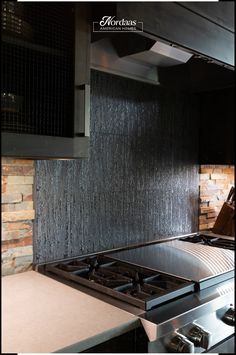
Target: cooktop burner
136	285
209	240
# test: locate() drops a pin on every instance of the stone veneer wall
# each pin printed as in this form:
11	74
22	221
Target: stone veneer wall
17	215
215	184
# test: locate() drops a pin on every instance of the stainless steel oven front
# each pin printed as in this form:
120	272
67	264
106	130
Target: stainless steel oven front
197	322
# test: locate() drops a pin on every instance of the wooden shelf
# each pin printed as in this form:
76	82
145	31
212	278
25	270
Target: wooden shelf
43	147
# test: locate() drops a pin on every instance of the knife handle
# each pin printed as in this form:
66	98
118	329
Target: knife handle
231	195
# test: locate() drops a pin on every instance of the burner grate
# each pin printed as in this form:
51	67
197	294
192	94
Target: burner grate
136	285
211	241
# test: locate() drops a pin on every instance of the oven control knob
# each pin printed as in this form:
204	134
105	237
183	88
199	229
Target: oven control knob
180	344
229	317
199	337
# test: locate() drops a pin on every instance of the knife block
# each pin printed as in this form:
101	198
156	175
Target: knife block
225	221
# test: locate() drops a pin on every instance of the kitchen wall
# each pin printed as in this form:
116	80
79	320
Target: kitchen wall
214	186
139	183
17	215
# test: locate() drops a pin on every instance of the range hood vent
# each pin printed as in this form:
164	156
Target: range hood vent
139	62
158	63
104	57
162	55
174	40
144	49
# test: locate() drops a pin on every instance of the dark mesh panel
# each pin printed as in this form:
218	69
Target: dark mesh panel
37	60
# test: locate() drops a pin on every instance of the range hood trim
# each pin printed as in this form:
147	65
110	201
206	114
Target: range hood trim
161	55
171	51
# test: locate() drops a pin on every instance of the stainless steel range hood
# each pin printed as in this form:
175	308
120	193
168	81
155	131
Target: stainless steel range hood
177	46
139	65
162	55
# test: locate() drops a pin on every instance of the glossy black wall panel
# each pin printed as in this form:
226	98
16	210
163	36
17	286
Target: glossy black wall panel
139	183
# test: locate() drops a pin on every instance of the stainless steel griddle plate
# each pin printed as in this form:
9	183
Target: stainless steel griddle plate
203	264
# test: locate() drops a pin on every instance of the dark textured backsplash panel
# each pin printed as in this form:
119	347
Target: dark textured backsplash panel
139	183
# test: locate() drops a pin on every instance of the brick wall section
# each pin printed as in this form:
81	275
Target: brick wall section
17	215
214	185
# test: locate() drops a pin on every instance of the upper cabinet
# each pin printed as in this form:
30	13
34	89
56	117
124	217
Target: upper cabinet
45	82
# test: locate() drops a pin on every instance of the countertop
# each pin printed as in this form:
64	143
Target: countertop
42	315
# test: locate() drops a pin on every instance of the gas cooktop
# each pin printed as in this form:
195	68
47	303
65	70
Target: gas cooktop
180	287
136	285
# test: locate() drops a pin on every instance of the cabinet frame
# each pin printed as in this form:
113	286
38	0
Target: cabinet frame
56	147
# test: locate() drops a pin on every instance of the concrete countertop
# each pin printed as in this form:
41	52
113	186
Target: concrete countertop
41	315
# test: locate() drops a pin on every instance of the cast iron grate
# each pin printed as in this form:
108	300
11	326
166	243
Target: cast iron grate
136	285
37	68
211	241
